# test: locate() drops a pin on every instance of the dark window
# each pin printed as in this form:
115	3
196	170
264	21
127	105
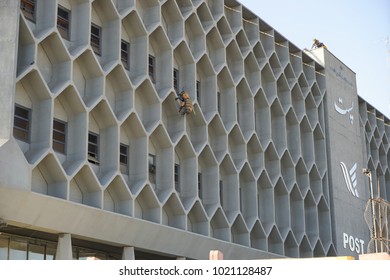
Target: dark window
177	178
93	148
238	111
152	65
59	136
219	102
198	89
22	123
200	193
221	192
176	80
95	38
152	168
125	52
28	9
63	19
241	198
124	158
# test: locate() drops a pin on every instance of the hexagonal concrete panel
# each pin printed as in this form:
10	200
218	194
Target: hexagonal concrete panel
248	166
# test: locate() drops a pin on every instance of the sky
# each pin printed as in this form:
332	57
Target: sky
356	31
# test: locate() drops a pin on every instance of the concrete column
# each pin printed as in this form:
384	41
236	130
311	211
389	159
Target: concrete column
9	30
64	247
128	253
9	25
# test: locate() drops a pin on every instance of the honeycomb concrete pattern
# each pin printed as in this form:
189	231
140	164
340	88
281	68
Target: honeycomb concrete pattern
376	131
256	137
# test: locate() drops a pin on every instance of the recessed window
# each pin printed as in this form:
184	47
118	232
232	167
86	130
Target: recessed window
124	158
28	9
125	52
241	198
63	19
176	79
238	111
152	168
200	193
59	136
221	192
198	89
22	119
96	33
177	178
93	148
219	102
152	66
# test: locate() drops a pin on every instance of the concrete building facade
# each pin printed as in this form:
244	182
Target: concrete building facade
97	162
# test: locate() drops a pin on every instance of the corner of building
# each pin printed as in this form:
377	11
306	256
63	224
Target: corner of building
9	26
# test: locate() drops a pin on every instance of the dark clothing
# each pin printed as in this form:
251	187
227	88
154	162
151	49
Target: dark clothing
317	44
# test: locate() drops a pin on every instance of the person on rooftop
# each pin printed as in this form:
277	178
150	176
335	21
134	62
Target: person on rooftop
317	44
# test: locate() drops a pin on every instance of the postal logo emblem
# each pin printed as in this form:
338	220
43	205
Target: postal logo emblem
350	178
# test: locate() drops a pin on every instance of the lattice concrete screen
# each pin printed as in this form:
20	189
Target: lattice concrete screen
248	166
376	129
250	158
